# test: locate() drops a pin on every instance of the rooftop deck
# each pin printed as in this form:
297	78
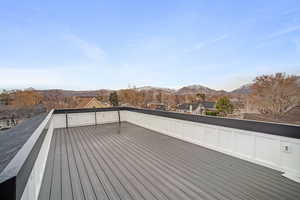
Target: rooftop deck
125	161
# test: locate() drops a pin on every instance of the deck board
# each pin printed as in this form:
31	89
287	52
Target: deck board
125	161
67	192
88	189
77	188
56	184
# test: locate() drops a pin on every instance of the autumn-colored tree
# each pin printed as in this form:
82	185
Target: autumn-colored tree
113	98
141	98
177	99
224	106
159	97
275	94
148	97
128	96
201	96
26	98
190	98
100	98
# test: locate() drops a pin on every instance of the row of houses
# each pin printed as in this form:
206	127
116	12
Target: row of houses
197	108
193	108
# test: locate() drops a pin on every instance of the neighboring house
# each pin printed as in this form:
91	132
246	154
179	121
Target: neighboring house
126	105
91	102
5	124
2	104
5	101
197	108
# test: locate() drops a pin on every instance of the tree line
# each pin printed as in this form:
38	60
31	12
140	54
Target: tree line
273	95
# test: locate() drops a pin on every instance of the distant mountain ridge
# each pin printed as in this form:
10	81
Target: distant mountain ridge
244	89
186	90
69	93
194	89
147	88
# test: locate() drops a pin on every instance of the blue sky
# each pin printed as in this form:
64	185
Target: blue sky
111	44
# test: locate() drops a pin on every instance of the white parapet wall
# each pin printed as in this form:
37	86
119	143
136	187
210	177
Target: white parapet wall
34	182
277	152
84	118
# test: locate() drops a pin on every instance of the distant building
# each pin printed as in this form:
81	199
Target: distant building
126	105
5	100
8	123
197	108
91	102
2	102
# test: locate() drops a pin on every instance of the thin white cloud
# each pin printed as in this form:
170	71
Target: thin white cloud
290	11
207	43
284	32
234	80
269	39
42	78
89	50
297	43
22	78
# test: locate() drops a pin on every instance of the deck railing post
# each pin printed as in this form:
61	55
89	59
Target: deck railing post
119	116
67	122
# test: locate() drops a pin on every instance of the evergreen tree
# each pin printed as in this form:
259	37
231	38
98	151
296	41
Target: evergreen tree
114	99
224	106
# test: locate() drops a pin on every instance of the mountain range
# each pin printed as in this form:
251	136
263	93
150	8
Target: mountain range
186	90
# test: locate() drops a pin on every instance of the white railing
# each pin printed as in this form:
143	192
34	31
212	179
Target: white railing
64	120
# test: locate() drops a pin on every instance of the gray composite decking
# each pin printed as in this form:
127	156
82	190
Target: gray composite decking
113	161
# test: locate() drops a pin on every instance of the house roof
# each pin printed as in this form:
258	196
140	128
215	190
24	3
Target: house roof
13	139
90	102
206	104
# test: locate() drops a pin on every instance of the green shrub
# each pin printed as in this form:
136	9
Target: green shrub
211	113
224	106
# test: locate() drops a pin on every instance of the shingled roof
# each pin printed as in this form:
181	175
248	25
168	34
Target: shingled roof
91	102
206	104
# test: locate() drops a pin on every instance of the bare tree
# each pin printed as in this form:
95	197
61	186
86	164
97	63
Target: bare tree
275	94
159	97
